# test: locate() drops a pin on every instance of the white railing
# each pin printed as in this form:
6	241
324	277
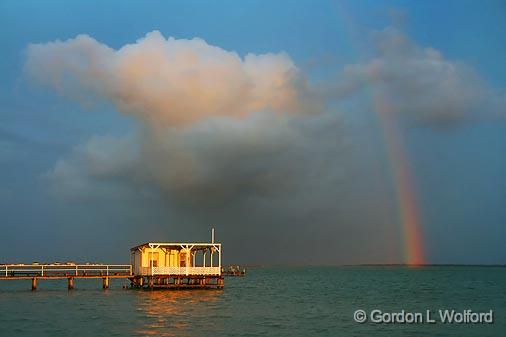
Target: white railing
181	271
48	270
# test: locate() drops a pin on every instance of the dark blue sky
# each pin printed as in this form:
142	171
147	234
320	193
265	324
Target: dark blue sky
338	204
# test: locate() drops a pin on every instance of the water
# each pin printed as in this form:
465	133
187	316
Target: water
267	302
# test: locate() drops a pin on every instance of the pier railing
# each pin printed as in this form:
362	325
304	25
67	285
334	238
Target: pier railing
181	271
63	270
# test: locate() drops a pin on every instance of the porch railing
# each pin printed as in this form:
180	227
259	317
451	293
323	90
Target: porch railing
181	271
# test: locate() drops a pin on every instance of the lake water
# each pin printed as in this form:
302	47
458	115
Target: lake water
267	302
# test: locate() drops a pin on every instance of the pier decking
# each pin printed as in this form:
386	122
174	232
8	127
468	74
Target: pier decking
70	272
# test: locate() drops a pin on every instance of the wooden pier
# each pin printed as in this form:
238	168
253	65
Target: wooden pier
36	272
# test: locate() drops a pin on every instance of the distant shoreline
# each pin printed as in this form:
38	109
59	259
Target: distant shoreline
427	265
375	265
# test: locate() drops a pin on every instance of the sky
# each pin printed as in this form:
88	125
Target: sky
306	133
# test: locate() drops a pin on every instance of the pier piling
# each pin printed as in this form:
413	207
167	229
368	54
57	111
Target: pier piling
105	283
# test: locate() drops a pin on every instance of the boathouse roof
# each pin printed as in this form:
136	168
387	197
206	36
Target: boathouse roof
177	245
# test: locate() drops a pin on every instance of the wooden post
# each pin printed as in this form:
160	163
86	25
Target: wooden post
187	259
151	259
219	258
105	282
70	283
34	283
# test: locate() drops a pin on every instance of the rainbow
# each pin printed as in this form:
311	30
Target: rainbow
408	213
407	207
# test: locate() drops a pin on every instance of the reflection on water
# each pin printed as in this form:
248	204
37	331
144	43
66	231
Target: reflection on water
174	312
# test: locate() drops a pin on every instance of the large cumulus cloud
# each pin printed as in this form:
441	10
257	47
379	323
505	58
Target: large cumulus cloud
212	125
169	82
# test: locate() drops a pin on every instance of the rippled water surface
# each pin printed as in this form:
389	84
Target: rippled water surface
267	302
